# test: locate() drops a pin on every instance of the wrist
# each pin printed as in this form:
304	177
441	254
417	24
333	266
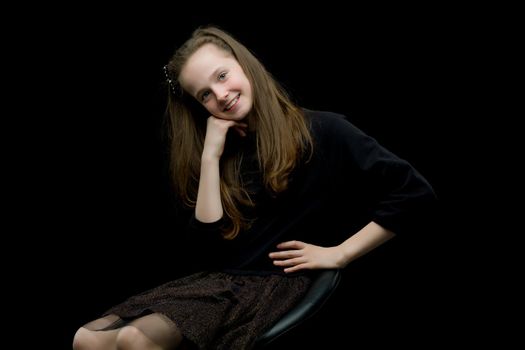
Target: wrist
346	254
209	159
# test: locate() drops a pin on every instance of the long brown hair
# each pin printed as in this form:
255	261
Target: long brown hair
281	132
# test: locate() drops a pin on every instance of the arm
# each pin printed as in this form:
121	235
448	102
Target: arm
297	255
209	206
390	192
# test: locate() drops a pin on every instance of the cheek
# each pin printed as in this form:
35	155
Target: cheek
209	106
247	86
240	82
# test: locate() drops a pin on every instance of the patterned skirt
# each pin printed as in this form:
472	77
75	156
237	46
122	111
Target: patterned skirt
219	310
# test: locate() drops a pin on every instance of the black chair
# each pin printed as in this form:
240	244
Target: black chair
323	285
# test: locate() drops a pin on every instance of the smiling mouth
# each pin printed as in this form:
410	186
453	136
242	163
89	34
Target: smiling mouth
232	103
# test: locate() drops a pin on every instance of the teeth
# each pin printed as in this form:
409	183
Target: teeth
232	102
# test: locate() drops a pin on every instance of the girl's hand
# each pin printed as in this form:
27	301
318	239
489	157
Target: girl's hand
297	255
216	130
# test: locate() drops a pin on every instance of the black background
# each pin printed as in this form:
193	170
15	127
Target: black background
97	224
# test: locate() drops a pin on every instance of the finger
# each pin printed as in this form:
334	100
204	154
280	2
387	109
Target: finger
291	245
289	262
296	268
220	121
285	254
240	131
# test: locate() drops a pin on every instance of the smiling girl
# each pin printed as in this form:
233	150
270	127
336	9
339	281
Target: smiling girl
270	193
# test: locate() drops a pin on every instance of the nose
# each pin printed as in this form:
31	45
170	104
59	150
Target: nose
222	94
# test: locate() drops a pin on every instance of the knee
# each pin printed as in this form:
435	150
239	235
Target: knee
83	339
130	338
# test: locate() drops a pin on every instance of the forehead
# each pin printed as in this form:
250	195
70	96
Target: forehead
202	63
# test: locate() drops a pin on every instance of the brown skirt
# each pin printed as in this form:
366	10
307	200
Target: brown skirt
219	310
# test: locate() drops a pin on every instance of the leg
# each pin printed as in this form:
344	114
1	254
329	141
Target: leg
91	336
154	331
150	332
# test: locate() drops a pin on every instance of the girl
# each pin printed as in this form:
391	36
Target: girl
271	191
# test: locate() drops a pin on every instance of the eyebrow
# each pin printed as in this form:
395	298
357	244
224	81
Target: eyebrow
215	72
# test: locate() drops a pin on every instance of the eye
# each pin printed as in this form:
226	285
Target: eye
205	95
222	76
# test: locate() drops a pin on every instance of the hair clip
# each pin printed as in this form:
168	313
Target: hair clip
174	88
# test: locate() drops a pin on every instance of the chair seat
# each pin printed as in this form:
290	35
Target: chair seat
323	285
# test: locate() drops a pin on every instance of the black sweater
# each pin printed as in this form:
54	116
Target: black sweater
349	181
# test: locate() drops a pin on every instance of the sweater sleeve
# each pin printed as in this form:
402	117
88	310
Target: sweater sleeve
204	232
201	241
397	195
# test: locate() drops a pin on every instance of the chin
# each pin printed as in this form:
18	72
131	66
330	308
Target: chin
241	115
244	112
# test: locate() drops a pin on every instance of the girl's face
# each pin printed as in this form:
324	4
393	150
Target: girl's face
215	78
